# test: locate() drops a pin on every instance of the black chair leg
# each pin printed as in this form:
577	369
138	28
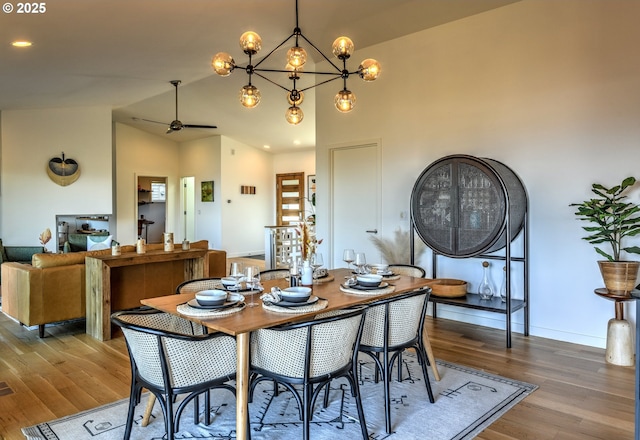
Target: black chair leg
326	395
355	392
41	331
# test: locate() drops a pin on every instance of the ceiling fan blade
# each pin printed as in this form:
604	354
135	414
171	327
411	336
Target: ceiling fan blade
198	126
149	120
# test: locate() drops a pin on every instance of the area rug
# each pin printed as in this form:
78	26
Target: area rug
467	401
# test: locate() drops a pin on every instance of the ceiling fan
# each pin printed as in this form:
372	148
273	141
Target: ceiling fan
176	124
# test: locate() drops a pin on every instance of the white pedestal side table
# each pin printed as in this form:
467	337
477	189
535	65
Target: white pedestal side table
620	347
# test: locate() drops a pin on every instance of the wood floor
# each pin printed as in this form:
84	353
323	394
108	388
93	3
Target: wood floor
579	396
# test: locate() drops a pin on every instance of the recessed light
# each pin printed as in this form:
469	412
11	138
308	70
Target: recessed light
296	142
266	147
21	43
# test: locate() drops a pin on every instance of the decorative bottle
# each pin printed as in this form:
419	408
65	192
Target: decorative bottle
485	288
307	274
140	246
503	286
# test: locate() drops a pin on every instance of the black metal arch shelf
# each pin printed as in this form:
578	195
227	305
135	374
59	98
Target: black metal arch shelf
468	207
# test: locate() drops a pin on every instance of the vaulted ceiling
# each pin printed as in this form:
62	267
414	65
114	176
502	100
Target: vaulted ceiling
123	54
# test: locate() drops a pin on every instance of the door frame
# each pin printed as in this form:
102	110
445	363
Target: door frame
332	149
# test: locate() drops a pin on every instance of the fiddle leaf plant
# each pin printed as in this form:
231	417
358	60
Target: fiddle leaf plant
612	217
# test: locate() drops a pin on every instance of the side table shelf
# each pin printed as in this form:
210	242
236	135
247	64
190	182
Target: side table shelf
473	301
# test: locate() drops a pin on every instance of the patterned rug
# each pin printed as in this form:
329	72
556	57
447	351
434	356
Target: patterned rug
467	401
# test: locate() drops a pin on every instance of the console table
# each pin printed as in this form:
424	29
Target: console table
119	282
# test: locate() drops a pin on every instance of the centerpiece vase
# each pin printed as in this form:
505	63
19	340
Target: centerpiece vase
307	274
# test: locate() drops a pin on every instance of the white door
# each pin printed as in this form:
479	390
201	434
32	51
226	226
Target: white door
188	209
355	196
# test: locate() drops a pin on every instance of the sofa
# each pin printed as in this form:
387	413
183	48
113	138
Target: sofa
21	254
53	287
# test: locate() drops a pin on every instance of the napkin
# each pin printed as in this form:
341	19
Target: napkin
351	281
272	297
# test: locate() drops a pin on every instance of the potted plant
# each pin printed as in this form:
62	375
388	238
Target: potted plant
612	220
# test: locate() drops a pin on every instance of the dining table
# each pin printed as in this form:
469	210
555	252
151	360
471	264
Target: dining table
332	292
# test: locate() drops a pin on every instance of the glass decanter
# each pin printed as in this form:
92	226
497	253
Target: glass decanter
485	288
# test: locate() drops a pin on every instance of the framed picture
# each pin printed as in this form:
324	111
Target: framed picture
311	189
206	191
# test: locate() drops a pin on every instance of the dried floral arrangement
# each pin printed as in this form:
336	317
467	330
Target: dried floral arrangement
397	250
45	237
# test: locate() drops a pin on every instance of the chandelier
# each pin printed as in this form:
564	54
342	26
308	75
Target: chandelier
251	43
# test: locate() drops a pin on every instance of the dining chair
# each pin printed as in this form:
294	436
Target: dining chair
192	286
409	270
169	361
310	354
274	274
391	326
416	272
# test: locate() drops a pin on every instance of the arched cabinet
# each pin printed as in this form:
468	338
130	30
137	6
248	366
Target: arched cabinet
464	206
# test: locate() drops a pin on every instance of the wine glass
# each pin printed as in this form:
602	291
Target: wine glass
316	262
360	262
348	256
252	279
235	272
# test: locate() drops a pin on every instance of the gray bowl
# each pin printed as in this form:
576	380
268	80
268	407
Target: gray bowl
212	297
296	294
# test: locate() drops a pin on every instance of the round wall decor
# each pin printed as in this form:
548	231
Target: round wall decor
63	171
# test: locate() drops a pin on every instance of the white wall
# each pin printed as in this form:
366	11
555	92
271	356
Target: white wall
549	88
142	154
201	159
29	199
245	216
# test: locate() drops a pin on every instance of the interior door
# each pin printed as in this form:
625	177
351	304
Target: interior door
355	196
188	208
151	208
289	198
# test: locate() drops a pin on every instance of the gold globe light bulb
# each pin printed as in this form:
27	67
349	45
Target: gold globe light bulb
223	63
294	115
345	100
249	96
294	72
296	56
250	43
369	69
342	47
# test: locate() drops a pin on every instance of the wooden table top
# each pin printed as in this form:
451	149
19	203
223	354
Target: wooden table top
254	318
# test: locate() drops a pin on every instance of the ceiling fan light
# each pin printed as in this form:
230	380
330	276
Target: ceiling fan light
250	43
369	69
249	96
294	115
223	63
345	100
295	97
342	47
296	56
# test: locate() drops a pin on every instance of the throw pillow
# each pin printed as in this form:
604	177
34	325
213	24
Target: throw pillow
3	253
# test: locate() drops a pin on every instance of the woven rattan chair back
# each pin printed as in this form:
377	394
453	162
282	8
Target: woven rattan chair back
192	286
310	354
408	270
169	362
391	326
274	274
